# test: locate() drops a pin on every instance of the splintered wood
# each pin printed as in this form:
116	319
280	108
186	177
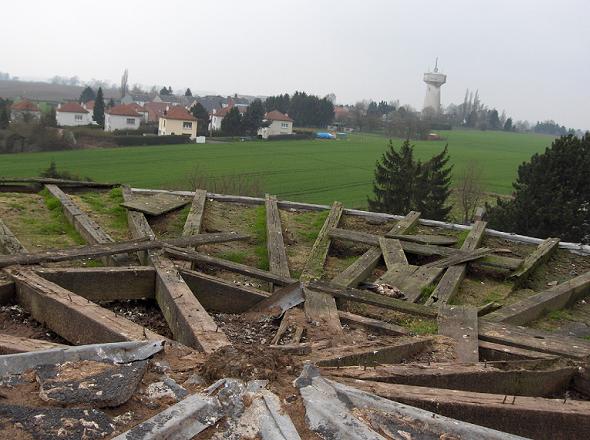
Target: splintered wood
156	204
9	244
460	324
277	254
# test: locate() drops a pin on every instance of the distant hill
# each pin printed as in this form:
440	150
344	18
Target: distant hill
44	91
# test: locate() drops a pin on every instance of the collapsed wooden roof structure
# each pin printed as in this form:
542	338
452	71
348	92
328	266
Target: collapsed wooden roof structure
501	374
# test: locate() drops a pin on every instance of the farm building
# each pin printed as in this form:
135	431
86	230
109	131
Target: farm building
24	109
122	117
72	114
176	120
278	124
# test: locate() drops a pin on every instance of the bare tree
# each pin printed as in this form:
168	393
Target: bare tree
124	85
470	190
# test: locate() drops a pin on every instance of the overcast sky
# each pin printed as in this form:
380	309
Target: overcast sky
529	57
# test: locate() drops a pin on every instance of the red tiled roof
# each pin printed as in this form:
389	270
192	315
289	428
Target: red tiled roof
89	105
138	108
24	106
155	110
276	115
178	112
225	110
71	107
123	110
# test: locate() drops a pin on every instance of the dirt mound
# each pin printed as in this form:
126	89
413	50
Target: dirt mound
246	363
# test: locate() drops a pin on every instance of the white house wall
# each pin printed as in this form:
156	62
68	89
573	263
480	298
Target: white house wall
68	119
116	122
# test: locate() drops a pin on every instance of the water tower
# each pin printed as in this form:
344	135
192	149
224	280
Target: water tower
434	81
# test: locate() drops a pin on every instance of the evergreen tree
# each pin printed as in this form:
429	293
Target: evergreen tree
49	119
434	187
164	91
98	113
253	117
508	125
4	119
202	115
493	120
551	194
111	103
231	124
170	90
403	184
87	95
188	92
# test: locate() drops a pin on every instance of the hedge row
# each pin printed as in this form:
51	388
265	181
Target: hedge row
129	141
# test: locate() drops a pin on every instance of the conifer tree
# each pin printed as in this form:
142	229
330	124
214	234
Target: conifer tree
231	124
433	187
202	115
98	113
253	117
4	119
87	95
188	92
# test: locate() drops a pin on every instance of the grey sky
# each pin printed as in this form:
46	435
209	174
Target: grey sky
530	57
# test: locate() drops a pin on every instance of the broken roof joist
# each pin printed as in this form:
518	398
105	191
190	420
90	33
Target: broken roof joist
123	247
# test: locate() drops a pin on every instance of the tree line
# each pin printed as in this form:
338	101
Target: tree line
305	110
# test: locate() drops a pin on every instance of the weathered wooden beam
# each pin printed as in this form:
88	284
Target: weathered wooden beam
9	244
319	307
194	219
155	205
364	265
73	317
15	344
393	253
366	297
123	247
536	340
189	322
219	295
491	351
449	284
6	291
491	261
537	305
534	260
460	324
280	301
491	377
277	254
197	257
373	325
390	354
138	225
533	417
439	240
59	182
466	257
411	280
104	283
90	231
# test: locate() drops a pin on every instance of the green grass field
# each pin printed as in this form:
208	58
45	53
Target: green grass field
315	171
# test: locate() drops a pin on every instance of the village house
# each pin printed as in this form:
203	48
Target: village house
71	114
89	106
177	121
278	124
218	114
23	110
121	117
155	110
140	109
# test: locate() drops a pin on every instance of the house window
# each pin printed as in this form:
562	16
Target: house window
284	125
77	117
187	125
130	121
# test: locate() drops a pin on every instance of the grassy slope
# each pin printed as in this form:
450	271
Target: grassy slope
311	171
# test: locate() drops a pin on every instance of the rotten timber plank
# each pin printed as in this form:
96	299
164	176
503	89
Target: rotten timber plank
491	351
411	280
138	225
198	257
393	253
491	261
366	297
6	291
72	316
460	324
531	339
318	306
15	344
491	377
371	324
90	231
155	205
449	284
9	244
104	283
194	219
534	417
537	305
123	247
439	240
188	320
541	254
220	295
364	265
390	354
277	254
